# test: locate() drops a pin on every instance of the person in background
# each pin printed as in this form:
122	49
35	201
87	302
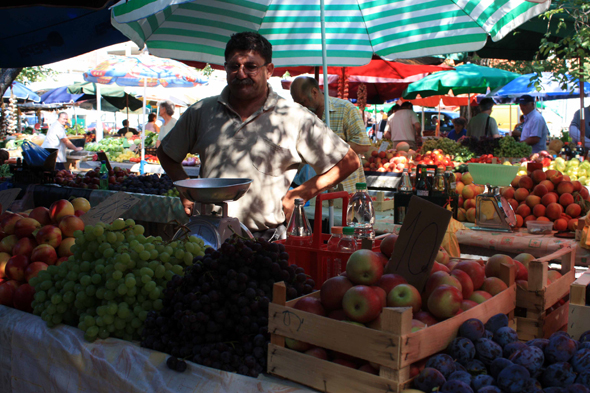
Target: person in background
126	129
166	111
4	155
458	130
483	124
534	129
574	129
345	121
151	124
250	132
518	129
57	139
381	125
404	126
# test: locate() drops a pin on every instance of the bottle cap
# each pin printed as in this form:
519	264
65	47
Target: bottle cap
103	162
348	231
299	201
361	186
336	230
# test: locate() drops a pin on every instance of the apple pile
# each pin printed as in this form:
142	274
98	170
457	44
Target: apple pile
396	161
547	196
30	242
91	179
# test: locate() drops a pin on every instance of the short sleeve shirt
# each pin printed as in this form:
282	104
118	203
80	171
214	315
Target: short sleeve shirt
477	126
267	148
535	125
55	134
401	125
346	122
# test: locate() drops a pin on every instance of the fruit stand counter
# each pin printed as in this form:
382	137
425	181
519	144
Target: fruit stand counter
34	358
191	171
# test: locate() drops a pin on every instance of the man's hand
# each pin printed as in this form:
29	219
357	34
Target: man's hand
289	204
188	205
79	148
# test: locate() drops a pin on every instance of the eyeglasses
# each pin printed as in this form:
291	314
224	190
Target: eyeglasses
250	69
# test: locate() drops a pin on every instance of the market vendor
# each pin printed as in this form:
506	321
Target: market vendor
57	139
575	127
250	132
534	129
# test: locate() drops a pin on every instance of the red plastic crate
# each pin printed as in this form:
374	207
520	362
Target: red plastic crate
317	261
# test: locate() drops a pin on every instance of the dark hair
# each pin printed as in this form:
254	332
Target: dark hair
151	117
125	123
61	113
308	83
486	104
461	121
168	107
249	41
407	105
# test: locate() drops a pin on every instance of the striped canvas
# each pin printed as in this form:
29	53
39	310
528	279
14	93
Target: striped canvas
355	29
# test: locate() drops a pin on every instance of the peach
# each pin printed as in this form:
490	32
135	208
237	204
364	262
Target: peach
519	221
9	222
548	185
508	192
529	218
469	203
572	225
550	173
461	215
548	199
25	227
560	225
514	182
480	296
573	210
577	185
523	210
458	176
60	209
565	187
69	224
540	190
468	192
532	201
65	246
466	178
584	192
538	176
544	219
554	211
521	194
539	210
556	178
494	263
525	182
41	214
566	199
459	187
513	203
471	214
566	178
493	285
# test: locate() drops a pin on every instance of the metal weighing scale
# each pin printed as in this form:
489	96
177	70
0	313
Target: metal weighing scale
492	210
213	228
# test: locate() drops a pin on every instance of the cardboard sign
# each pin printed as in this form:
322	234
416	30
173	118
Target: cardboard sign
110	209
7	197
383	146
419	240
102	156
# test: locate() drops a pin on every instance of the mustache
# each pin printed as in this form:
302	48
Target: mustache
242	82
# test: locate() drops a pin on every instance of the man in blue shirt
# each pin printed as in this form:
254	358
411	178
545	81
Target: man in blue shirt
534	129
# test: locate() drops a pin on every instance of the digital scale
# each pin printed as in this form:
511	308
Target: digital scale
213	227
492	211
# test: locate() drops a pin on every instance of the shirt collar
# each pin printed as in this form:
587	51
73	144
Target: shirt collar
330	109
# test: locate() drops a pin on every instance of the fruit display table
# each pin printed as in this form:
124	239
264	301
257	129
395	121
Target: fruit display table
191	171
35	358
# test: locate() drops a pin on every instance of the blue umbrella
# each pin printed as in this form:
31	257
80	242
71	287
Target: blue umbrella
59	95
21	92
550	89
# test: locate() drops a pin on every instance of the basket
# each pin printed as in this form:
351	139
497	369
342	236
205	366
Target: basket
317	261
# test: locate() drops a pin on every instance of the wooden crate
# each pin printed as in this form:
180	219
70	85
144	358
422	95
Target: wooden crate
394	348
538	319
579	312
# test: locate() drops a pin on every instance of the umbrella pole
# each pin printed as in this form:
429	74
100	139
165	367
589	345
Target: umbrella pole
468	107
141	166
127	102
316	72
423	116
325	64
582	118
99	133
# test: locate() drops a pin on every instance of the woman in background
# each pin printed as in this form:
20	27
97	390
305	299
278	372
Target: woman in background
151	124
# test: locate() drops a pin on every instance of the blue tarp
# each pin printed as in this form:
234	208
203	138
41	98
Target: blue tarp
21	92
550	89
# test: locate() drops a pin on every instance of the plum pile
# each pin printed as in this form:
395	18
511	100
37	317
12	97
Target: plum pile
145	184
488	358
217	314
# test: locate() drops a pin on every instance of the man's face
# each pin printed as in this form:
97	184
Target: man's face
63	120
527	107
247	75
307	100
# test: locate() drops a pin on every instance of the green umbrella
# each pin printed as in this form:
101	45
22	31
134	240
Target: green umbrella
464	79
114	95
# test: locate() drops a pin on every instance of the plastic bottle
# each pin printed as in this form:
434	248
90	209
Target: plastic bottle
422	185
405	185
565	152
361	214
450	182
346	244
299	230
333	268
438	185
580	152
103	175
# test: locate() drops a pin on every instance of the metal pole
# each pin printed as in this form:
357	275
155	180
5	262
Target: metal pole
582	117
141	166
325	64
99	133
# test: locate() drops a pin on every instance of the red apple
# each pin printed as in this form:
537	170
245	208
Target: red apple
16	266
493	265
333	290
41	214
361	304
388	244
390	281
382	295
425	317
465	280
338	315
25	227
4	257
7	289
61	260
475	271
384	260
467	304
24	246
9	222
493	285
296	345
439	267
344	362
7	244
437	279
33	269
60	209
364	267
23	297
69	224
522	273
445	301
405	295
417	325
317	352
49	234
480	296
310	304
79	213
44	253
369	369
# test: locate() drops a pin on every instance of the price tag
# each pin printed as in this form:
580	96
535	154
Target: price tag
383	146
7	197
110	209
419	240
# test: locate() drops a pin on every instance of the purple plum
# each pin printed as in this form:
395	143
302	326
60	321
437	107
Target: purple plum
496	322
462	376
585	336
531	385
577	388
553	389
487	350
476	367
473	329
538	342
489	389
584	378
505	335
461	349
498	365
581	361
480	381
443	363
560	349
429	379
512	379
509	349
558	374
531	358
456	386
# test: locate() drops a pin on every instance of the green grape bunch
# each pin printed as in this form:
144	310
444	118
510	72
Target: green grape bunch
115	276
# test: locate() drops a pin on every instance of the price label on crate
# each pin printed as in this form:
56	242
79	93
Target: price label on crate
110	209
7	197
102	156
419	240
383	146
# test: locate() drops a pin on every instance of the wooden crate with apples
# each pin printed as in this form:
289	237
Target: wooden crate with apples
542	309
579	310
394	348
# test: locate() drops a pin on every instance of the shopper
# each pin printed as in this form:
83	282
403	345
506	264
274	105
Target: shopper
166	111
126	129
250	132
56	139
458	130
151	124
483	124
404	126
575	127
534	129
345	121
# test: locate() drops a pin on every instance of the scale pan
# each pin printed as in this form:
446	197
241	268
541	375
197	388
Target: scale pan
213	190
493	174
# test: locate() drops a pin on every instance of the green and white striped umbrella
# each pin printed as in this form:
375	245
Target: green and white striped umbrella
355	29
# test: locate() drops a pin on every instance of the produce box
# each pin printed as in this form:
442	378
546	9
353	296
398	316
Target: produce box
543	309
579	310
394	348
